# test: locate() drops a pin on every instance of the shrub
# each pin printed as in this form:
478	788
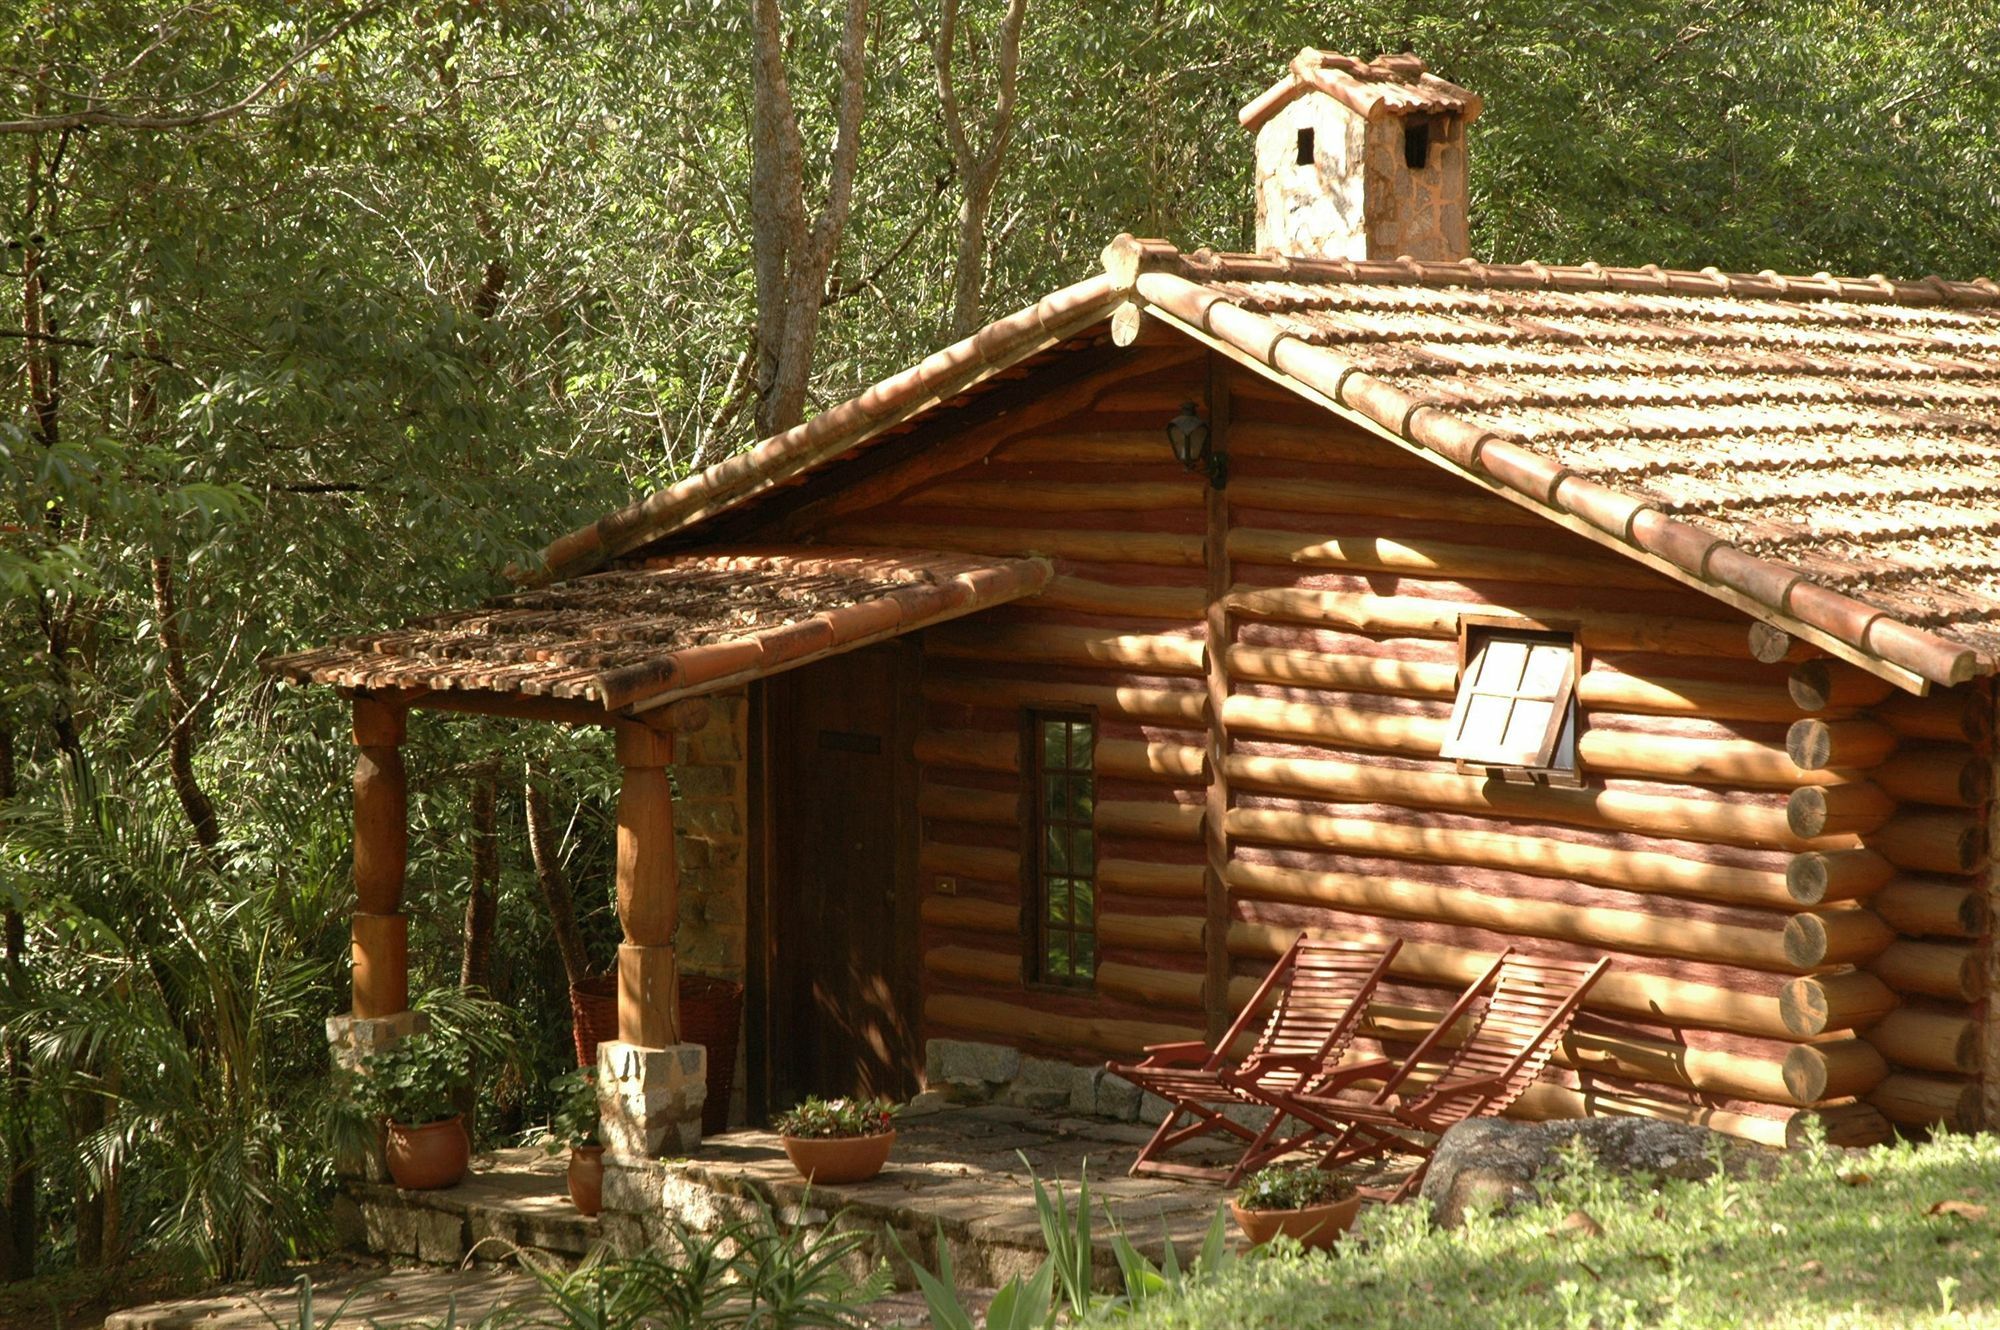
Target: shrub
418	1081
1291	1187
574	1121
827	1118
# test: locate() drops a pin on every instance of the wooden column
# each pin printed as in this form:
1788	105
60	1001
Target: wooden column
381	852
1215	808
648	890
1990	1051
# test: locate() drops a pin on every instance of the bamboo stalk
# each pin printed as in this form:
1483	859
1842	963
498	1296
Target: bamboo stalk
1934	969
1182	708
1434	558
1927	1039
1621	930
1651	998
1834	1069
1411	616
1834	937
1823	1003
1020	1022
1064	644
1627	870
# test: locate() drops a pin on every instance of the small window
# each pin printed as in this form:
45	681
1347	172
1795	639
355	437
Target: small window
1417	144
1305	153
1063	749
1516	706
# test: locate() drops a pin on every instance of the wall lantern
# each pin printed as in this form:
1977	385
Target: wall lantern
1188	436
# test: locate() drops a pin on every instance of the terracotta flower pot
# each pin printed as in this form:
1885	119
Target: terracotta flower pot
428	1157
834	1160
586	1178
1316	1226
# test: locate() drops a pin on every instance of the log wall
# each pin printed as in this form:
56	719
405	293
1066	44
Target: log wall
1787	863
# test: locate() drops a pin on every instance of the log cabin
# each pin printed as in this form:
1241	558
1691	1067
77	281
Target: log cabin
1040	694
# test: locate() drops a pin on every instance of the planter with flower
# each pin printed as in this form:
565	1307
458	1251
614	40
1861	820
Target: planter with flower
1299	1201
415	1088
835	1141
573	1125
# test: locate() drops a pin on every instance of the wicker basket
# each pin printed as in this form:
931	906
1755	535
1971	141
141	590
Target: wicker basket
711	1015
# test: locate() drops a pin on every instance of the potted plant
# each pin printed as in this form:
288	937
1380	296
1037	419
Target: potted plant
834	1141
1300	1201
573	1124
414	1088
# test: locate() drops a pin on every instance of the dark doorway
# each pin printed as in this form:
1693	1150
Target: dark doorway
838	922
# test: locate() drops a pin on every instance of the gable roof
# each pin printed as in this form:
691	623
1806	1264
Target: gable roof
1822	453
1389	85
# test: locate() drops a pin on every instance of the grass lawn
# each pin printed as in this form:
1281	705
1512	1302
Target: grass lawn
1897	1236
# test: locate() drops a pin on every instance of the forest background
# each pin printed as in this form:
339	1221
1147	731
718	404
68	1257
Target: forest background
319	314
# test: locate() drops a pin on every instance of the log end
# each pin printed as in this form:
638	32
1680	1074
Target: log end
1769	644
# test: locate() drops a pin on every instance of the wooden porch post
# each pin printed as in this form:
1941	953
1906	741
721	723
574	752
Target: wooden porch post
381	852
648	890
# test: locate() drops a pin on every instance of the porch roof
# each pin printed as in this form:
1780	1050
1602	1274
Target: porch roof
637	637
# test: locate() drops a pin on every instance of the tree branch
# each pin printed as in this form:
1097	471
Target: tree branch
96	117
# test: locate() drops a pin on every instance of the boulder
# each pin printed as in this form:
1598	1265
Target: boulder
1492	1163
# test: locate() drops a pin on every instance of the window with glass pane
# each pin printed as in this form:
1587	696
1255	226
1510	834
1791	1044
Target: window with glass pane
1065	853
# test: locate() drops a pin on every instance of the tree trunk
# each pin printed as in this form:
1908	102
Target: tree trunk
553	881
17	1209
791	258
475	968
195	802
978	166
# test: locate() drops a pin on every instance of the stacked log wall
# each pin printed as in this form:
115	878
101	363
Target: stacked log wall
1786	862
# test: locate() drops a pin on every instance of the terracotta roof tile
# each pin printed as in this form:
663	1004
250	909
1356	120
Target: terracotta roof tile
1828	448
1389	85
675	626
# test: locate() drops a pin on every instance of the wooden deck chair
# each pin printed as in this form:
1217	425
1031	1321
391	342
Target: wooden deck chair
1318	993
1517	1012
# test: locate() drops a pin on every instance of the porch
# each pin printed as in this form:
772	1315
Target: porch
957	1170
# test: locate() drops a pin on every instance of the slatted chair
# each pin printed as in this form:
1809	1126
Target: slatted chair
1318	992
1518	1012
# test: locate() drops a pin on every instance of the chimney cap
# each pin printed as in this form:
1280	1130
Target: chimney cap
1389	85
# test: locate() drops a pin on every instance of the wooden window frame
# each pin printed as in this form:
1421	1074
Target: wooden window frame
1036	872
1471	626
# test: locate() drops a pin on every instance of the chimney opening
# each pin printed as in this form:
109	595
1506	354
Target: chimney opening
1305	152
1417	144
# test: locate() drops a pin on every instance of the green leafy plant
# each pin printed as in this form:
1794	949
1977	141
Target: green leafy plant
833	1118
418	1081
574	1120
1291	1187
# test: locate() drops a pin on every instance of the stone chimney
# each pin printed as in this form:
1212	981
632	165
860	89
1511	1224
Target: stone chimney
1361	159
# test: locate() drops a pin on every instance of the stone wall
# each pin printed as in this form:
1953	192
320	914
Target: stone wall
710	823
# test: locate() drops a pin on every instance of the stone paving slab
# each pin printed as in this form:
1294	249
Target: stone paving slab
383	1296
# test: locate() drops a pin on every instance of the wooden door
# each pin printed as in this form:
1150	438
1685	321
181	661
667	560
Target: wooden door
839	917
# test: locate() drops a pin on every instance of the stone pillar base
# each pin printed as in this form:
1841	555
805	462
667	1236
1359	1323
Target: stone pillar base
351	1039
650	1098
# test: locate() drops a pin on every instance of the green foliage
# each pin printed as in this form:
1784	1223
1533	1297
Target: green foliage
1831	1240
825	1118
751	1275
1291	1187
574	1121
420	1080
